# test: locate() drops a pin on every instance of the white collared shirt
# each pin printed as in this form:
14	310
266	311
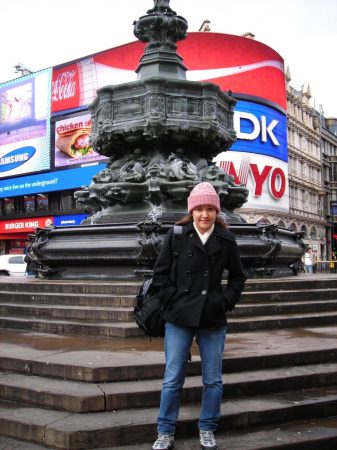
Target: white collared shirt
204	237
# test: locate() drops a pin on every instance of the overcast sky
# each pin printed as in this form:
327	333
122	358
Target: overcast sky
44	33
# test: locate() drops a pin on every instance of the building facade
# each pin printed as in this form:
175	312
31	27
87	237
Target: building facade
328	129
312	152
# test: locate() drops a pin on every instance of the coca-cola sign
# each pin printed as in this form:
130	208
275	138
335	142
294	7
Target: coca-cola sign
65	88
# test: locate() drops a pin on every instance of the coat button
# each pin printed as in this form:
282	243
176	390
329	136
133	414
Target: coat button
188	273
206	273
189	253
204	292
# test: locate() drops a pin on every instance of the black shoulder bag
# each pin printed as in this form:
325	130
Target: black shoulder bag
148	310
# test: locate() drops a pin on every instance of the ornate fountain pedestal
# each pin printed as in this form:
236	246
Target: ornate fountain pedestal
161	134
127	251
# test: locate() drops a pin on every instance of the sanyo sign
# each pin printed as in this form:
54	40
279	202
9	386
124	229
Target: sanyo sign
259	157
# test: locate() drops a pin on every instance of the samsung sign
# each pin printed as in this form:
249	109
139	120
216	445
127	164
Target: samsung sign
259	158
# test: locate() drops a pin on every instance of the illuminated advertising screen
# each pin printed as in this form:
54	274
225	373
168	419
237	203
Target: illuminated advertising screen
49	182
259	158
69	220
25	125
17	109
71	142
235	63
250	69
24	225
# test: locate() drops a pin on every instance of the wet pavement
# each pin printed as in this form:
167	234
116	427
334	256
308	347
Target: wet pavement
92	351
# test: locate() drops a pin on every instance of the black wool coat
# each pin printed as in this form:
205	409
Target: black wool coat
197	298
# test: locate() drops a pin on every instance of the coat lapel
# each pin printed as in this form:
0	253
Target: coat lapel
213	244
194	238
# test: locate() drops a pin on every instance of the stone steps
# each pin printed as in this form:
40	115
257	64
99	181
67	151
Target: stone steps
79	299
86	313
106	309
70	287
300	435
76	396
284	307
297	434
128	300
72	431
289	295
71	327
122	329
63	386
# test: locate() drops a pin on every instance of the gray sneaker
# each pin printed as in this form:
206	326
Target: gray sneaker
164	441
207	440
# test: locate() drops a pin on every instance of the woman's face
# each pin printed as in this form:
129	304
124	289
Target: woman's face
204	217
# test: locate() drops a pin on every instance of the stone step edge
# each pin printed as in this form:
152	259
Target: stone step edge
261	310
241	304
122	328
252	286
72	396
129	329
88	295
300	434
78	431
245	293
232	319
147	370
43	306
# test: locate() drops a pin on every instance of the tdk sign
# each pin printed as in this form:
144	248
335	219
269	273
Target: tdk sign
260	129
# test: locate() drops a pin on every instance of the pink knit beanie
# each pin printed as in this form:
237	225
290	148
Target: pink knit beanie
203	194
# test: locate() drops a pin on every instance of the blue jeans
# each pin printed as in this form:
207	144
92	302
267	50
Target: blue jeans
178	341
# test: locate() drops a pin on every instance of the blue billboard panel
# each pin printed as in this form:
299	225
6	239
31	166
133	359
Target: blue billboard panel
69	220
260	129
25	124
49	182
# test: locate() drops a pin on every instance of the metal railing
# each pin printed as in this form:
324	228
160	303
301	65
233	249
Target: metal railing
325	267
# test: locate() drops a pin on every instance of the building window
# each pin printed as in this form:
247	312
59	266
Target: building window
42	202
29	203
333	172
9	206
67	201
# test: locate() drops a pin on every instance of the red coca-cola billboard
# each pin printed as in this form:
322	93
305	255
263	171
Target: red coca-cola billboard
235	63
65	93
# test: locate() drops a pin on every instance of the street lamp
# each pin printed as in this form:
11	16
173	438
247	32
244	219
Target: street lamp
21	68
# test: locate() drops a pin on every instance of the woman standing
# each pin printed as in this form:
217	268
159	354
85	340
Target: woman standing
197	306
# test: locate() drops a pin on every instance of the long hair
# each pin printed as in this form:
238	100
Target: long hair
189	218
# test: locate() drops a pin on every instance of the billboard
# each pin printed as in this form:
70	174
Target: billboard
25	124
259	158
49	182
251	70
71	142
69	220
235	63
24	225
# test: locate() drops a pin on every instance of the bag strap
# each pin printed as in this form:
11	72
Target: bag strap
176	241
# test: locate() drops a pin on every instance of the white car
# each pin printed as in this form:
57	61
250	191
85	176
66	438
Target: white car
12	265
